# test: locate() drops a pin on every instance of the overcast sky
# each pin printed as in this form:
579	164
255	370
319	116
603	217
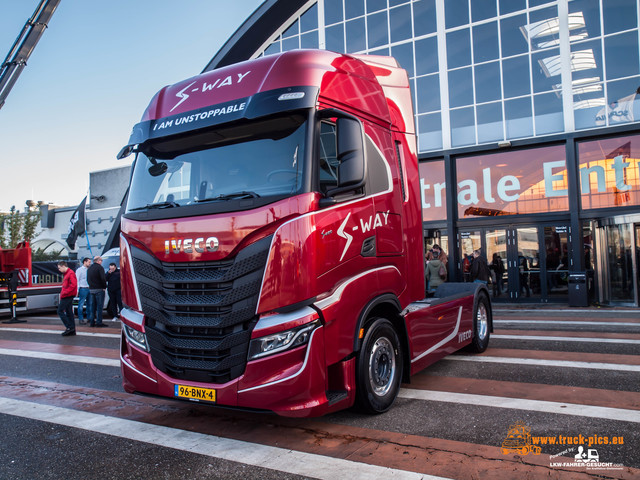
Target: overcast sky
89	80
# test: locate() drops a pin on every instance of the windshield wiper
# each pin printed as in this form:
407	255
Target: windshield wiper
230	196
149	206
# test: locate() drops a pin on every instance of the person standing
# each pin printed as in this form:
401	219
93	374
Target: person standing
440	255
428	256
479	268
97	283
69	290
83	290
114	289
523	267
497	270
466	267
436	274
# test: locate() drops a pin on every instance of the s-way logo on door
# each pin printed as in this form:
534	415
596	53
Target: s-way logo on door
218	83
372	223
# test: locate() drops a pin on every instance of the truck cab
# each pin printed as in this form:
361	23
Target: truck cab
271	249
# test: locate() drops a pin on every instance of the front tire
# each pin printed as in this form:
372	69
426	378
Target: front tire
379	367
481	325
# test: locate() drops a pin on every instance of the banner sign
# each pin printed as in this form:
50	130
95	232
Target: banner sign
535	180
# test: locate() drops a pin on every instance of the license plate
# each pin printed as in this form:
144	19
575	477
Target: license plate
195	393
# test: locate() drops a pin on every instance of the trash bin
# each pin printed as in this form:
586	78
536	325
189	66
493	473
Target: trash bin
578	289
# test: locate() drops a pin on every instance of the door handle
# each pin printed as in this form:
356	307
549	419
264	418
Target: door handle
368	247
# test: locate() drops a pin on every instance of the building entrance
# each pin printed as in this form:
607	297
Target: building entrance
528	263
618	263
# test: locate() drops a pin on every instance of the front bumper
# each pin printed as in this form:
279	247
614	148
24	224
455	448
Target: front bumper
292	383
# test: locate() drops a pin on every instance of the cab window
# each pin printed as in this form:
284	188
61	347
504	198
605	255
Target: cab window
327	157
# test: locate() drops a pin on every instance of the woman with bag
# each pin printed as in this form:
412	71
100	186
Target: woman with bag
436	274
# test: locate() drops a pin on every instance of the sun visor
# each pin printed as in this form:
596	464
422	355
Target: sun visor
258	105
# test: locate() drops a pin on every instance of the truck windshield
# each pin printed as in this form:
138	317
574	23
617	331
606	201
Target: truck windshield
260	159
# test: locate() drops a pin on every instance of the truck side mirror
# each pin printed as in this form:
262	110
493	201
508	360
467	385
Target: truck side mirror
156	169
352	168
351	172
125	152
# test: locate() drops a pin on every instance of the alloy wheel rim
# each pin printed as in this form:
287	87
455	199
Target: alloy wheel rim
382	366
482	320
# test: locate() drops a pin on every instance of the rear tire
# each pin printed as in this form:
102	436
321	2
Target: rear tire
481	325
379	367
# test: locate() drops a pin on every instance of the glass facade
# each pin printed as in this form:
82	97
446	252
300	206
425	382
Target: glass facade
486	71
609	172
512	183
433	191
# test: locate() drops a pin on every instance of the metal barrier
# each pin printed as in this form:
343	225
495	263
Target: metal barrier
10	280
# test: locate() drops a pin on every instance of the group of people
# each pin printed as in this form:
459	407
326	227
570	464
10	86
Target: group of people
88	282
476	269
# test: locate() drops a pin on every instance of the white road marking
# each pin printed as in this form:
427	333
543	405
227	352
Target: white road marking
562	310
523	404
58	332
109	362
567	339
546	363
274	458
568	322
484	359
57	318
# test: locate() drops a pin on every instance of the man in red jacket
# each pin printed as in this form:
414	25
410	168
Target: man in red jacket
69	290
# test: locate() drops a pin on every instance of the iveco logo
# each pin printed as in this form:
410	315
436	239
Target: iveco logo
188	245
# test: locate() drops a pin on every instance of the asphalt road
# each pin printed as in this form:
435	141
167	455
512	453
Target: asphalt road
571	377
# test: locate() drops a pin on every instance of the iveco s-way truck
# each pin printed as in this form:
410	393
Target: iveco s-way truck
272	246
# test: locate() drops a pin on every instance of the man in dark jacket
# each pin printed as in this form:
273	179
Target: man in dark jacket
479	268
114	289
69	290
97	283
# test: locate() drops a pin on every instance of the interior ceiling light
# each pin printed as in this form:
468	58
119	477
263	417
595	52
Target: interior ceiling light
556	41
584	81
583	60
589	103
551	26
596	87
580	60
581	85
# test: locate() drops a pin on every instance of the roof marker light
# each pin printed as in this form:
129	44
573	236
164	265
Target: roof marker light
291	96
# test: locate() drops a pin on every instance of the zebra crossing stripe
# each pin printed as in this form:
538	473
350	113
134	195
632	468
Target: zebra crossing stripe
274	458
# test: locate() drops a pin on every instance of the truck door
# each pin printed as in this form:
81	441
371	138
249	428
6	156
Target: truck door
342	230
386	175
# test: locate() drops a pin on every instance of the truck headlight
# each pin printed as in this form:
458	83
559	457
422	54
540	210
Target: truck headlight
136	337
281	341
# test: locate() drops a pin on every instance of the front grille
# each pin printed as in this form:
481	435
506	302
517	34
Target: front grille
199	315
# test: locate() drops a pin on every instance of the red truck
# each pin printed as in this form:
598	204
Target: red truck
26	286
272	248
